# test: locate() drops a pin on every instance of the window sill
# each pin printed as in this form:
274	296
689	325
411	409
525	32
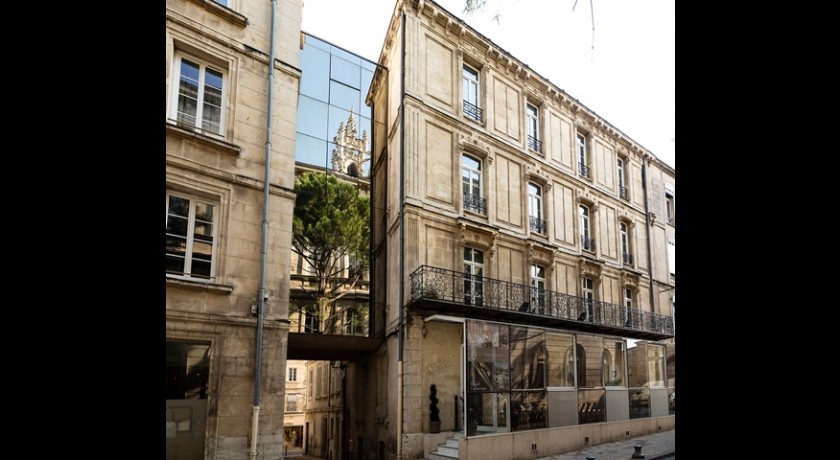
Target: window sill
205	139
199	285
224	12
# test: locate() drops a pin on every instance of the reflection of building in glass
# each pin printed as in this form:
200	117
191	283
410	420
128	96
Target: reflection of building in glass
334	85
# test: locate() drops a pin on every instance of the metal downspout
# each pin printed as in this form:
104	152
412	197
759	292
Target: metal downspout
645	160
255	417
402	246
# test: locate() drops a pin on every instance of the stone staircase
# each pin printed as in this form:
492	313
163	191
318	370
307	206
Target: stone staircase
447	450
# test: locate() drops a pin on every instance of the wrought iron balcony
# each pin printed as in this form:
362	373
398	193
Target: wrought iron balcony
537	224
622	192
438	289
587	243
583	169
473	111
534	144
627	258
475	203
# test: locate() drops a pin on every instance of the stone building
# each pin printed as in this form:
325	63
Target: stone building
522	259
232	77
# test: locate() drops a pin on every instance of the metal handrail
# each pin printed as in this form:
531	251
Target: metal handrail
434	283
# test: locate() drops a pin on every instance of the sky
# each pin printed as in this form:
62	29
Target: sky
616	57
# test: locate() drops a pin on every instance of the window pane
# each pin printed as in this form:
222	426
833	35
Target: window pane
346	72
560	358
311	150
312	118
344	97
315	67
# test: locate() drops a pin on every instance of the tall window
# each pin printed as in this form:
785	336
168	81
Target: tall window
292	403
471	183
628	307
588	289
190	229
292	374
585	229
672	256
583	164
535	210
622	187
533	128
538	288
669	207
473	273
471	95
626	256
200	90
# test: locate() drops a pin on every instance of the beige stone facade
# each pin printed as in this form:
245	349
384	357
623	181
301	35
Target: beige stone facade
568	214
223	254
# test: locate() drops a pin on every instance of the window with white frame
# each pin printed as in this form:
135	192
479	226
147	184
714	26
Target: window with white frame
292	374
586	240
588	291
622	181
533	128
669	208
292	403
583	163
473	276
190	236
535	208
537	288
628	307
198	94
471	183
471	93
626	255
672	256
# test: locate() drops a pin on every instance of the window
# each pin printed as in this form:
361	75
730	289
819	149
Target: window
292	403
672	256
534	142
190	229
626	256
538	288
473	273
200	92
669	208
586	240
628	307
292	374
588	287
471	180
471	93
583	164
622	188
222	2
537	224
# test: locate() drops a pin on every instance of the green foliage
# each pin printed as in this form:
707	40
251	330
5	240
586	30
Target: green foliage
330	223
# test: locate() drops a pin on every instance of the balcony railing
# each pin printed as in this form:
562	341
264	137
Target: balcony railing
534	144
583	169
587	243
627	258
622	192
475	203
473	111
537	224
438	284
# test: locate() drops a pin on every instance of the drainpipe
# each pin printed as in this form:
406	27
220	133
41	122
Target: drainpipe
402	245
645	160
255	417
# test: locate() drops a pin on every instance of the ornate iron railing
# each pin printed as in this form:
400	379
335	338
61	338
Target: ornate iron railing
475	203
584	170
587	243
622	192
537	224
534	144
433	283
627	258
473	111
